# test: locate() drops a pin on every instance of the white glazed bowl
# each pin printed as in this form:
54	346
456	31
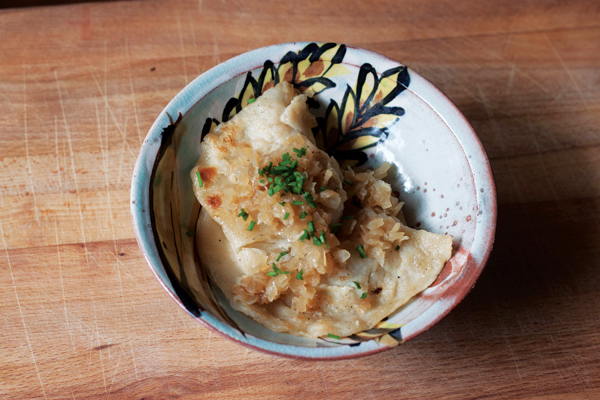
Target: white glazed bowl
441	173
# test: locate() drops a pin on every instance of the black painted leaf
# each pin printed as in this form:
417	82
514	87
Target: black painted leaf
402	82
339	55
365	70
348	105
318	53
229	107
328	83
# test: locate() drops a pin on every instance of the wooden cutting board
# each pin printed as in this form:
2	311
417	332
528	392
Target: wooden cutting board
84	318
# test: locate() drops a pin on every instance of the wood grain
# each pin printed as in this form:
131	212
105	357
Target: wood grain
84	318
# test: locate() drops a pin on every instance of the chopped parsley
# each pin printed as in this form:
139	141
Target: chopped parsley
252	223
311	226
317	241
250	101
279	271
299	275
285	217
243	214
335	228
310	200
200	184
303	214
297	203
397	247
281	255
361	251
261	181
364	295
282	203
300	152
331	335
305	235
357	285
272	273
324	239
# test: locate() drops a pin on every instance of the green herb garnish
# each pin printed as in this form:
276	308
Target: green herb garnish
347	217
250	101
297	202
322	189
311	226
272	273
361	251
331	335
310	200
252	223
285	217
300	152
279	271
299	275
364	295
397	247
357	285
347	182
282	203
303	214
337	225
316	241
243	214
281	255
200	184
324	239
305	235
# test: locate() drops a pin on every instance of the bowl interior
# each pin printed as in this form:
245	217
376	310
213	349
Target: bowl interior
370	109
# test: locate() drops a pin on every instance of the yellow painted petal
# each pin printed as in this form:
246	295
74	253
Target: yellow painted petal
387	340
246	94
329	54
366	89
332	120
213	125
367	336
386	85
348	116
269	81
380	121
337	70
316	87
359	143
285	70
387	325
302	66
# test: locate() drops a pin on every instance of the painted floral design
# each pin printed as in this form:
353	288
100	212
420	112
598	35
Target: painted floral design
312	67
364	117
359	122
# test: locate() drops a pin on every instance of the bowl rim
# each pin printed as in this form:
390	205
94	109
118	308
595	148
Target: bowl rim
184	101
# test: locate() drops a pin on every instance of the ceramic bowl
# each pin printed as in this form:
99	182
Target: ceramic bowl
370	109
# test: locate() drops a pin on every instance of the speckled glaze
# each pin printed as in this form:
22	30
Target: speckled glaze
440	170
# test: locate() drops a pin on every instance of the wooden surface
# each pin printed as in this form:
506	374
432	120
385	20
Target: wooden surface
84	318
